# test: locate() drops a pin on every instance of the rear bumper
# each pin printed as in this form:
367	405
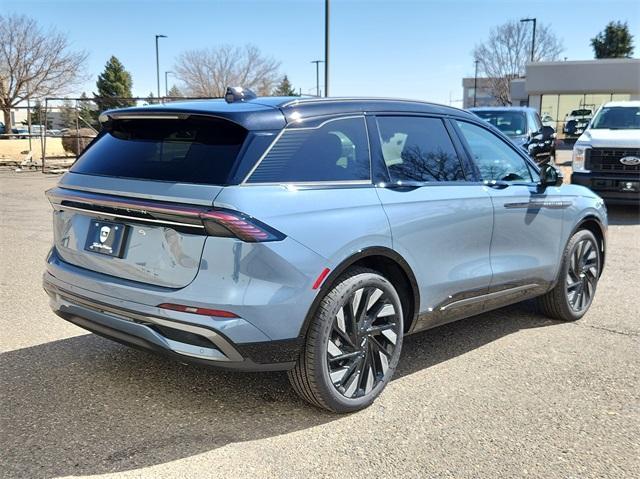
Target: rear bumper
138	326
608	187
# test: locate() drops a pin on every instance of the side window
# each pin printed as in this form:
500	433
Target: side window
418	149
495	159
336	151
536	124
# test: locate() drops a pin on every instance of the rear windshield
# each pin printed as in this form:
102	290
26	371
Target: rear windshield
511	123
193	150
581	113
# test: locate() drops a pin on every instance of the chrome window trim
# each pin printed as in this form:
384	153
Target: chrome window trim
312	183
290	127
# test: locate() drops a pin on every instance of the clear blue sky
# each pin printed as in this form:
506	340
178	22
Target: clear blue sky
415	49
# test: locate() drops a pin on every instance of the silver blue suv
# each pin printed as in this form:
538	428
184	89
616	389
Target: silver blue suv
311	235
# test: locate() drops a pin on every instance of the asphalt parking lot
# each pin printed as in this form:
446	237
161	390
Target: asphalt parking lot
505	394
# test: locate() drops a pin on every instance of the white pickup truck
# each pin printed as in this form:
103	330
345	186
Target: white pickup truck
606	157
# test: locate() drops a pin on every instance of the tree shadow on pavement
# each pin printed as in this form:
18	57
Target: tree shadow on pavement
86	405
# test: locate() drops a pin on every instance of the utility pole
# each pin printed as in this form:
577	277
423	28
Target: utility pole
533	35
317	62
158	63
326	47
475	84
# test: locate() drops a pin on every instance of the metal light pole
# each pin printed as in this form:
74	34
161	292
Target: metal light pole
533	35
158	63
326	47
166	84
475	84
317	62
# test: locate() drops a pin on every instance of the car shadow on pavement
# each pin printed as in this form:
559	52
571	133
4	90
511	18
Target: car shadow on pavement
623	214
86	405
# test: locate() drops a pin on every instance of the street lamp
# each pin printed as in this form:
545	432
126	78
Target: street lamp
317	62
533	35
166	84
326	47
158	62
475	84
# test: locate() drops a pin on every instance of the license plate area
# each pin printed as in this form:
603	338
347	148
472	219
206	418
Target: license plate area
106	237
629	186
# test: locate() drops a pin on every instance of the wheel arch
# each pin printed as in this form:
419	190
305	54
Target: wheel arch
592	223
389	264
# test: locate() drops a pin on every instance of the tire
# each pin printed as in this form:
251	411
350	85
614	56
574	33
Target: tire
371	339
573	293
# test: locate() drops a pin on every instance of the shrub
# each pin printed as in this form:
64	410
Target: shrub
75	141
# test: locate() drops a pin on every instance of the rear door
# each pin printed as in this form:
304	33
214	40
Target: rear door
129	206
441	219
314	185
526	240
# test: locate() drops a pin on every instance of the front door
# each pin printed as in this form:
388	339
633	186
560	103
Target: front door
526	240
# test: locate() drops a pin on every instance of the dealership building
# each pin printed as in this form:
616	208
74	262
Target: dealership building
555	89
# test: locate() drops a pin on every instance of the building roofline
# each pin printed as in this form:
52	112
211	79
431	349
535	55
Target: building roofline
583	62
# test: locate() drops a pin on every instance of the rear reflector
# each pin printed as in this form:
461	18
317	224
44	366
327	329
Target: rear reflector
203	311
220	222
321	278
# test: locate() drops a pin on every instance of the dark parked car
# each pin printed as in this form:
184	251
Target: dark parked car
523	126
576	122
311	235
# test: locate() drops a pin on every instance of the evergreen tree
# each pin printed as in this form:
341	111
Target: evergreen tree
37	114
86	113
112	83
174	92
615	41
151	99
68	114
284	88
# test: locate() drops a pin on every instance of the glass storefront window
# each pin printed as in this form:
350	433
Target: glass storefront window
621	97
595	100
549	111
572	112
570	108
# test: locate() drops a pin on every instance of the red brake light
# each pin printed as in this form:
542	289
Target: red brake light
232	223
203	311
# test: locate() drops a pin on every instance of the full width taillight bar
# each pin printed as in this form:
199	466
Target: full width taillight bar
194	218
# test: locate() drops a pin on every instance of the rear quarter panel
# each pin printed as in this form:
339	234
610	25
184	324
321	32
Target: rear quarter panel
333	222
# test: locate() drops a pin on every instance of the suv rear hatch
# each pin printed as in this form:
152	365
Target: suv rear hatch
134	204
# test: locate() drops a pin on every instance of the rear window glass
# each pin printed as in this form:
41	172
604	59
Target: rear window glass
338	150
511	123
192	150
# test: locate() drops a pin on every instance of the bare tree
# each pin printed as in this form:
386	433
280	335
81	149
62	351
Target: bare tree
504	55
209	71
34	63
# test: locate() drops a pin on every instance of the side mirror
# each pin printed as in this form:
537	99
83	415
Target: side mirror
549	176
547	132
